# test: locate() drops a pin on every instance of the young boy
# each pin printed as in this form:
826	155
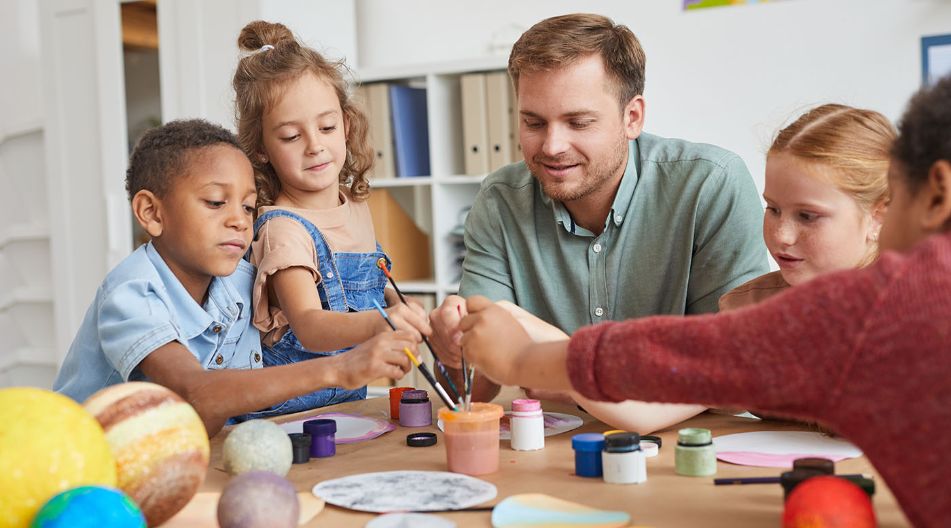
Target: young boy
865	352
177	311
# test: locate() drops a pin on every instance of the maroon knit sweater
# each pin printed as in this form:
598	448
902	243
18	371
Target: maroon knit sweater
865	352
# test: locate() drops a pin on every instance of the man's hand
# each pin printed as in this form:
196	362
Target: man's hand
493	340
380	357
445	330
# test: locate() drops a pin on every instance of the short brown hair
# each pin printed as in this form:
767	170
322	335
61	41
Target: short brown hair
163	153
925	132
562	40
260	79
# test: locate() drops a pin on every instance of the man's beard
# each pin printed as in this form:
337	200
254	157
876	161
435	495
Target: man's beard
594	174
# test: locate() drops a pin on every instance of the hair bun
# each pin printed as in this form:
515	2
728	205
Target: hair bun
258	33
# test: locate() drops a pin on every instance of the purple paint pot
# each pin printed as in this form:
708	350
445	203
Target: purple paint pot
415	409
322	433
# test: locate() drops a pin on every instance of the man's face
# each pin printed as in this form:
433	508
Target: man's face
573	132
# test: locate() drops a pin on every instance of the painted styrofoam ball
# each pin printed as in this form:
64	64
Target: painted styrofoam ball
258	499
828	502
257	445
48	444
159	442
90	507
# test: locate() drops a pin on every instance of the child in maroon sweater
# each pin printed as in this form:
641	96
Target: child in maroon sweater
866	352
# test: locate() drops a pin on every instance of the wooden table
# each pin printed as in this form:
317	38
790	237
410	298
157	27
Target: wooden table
665	500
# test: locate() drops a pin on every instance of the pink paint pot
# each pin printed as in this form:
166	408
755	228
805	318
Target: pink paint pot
472	438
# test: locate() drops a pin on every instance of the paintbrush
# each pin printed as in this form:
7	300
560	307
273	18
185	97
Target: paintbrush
468	373
421	366
381	263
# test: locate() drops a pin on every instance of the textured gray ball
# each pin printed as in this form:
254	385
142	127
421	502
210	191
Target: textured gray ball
257	445
258	499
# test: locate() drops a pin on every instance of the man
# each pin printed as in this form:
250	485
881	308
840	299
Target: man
601	221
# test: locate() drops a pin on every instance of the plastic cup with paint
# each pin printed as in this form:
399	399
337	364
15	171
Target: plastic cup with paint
472	438
415	409
322	432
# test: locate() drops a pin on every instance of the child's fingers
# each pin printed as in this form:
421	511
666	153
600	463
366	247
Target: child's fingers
477	303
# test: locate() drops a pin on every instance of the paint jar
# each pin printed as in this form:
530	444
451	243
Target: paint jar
823	465
396	394
527	425
695	455
622	460
588	447
300	447
415	409
472	438
322	433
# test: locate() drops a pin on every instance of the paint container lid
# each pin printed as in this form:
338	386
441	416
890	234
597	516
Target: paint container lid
650	449
613	431
824	465
622	443
414	396
421	439
320	427
790	479
526	405
694	437
587	442
654	439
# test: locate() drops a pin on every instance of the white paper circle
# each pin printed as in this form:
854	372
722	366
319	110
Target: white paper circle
402	491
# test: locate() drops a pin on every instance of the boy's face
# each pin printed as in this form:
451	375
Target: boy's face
206	217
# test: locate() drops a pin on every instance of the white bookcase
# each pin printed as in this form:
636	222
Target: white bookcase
435	201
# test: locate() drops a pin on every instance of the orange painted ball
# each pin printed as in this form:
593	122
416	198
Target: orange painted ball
828	502
159	443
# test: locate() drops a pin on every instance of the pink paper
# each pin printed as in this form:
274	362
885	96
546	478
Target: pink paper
746	458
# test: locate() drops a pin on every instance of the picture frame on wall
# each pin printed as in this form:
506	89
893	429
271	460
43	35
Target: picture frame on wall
935	58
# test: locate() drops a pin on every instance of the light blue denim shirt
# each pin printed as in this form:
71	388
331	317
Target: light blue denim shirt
141	306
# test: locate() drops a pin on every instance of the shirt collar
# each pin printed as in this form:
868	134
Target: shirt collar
622	200
222	305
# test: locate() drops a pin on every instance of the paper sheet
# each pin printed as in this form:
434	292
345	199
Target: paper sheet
780	448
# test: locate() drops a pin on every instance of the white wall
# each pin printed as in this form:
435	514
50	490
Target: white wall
729	76
26	301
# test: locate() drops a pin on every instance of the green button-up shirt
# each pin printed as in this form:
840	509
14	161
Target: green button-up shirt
685	227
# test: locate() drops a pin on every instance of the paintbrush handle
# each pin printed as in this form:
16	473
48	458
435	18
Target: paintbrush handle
439	390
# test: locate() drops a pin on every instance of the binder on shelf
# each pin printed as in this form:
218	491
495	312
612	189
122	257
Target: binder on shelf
474	126
401	239
499	119
377	99
410	130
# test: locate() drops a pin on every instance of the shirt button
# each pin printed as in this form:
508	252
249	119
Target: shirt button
618	218
216	329
257	357
599	311
597	248
219	360
330	274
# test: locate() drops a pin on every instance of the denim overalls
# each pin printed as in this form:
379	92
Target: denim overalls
350	282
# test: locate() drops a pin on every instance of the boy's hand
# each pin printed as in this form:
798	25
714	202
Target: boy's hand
446	335
493	340
538	330
380	357
409	317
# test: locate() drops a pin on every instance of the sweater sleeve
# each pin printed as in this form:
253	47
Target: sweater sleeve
786	355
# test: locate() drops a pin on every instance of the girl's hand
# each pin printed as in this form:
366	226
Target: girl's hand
493	340
380	357
409	317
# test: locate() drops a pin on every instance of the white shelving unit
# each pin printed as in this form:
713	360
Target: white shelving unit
435	201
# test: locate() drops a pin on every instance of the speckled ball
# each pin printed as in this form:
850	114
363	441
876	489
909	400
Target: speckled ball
257	445
89	507
258	499
159	442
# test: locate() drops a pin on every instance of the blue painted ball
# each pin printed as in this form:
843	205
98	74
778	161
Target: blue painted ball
89	507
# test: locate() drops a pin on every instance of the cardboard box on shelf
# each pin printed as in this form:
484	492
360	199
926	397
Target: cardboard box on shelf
400	237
